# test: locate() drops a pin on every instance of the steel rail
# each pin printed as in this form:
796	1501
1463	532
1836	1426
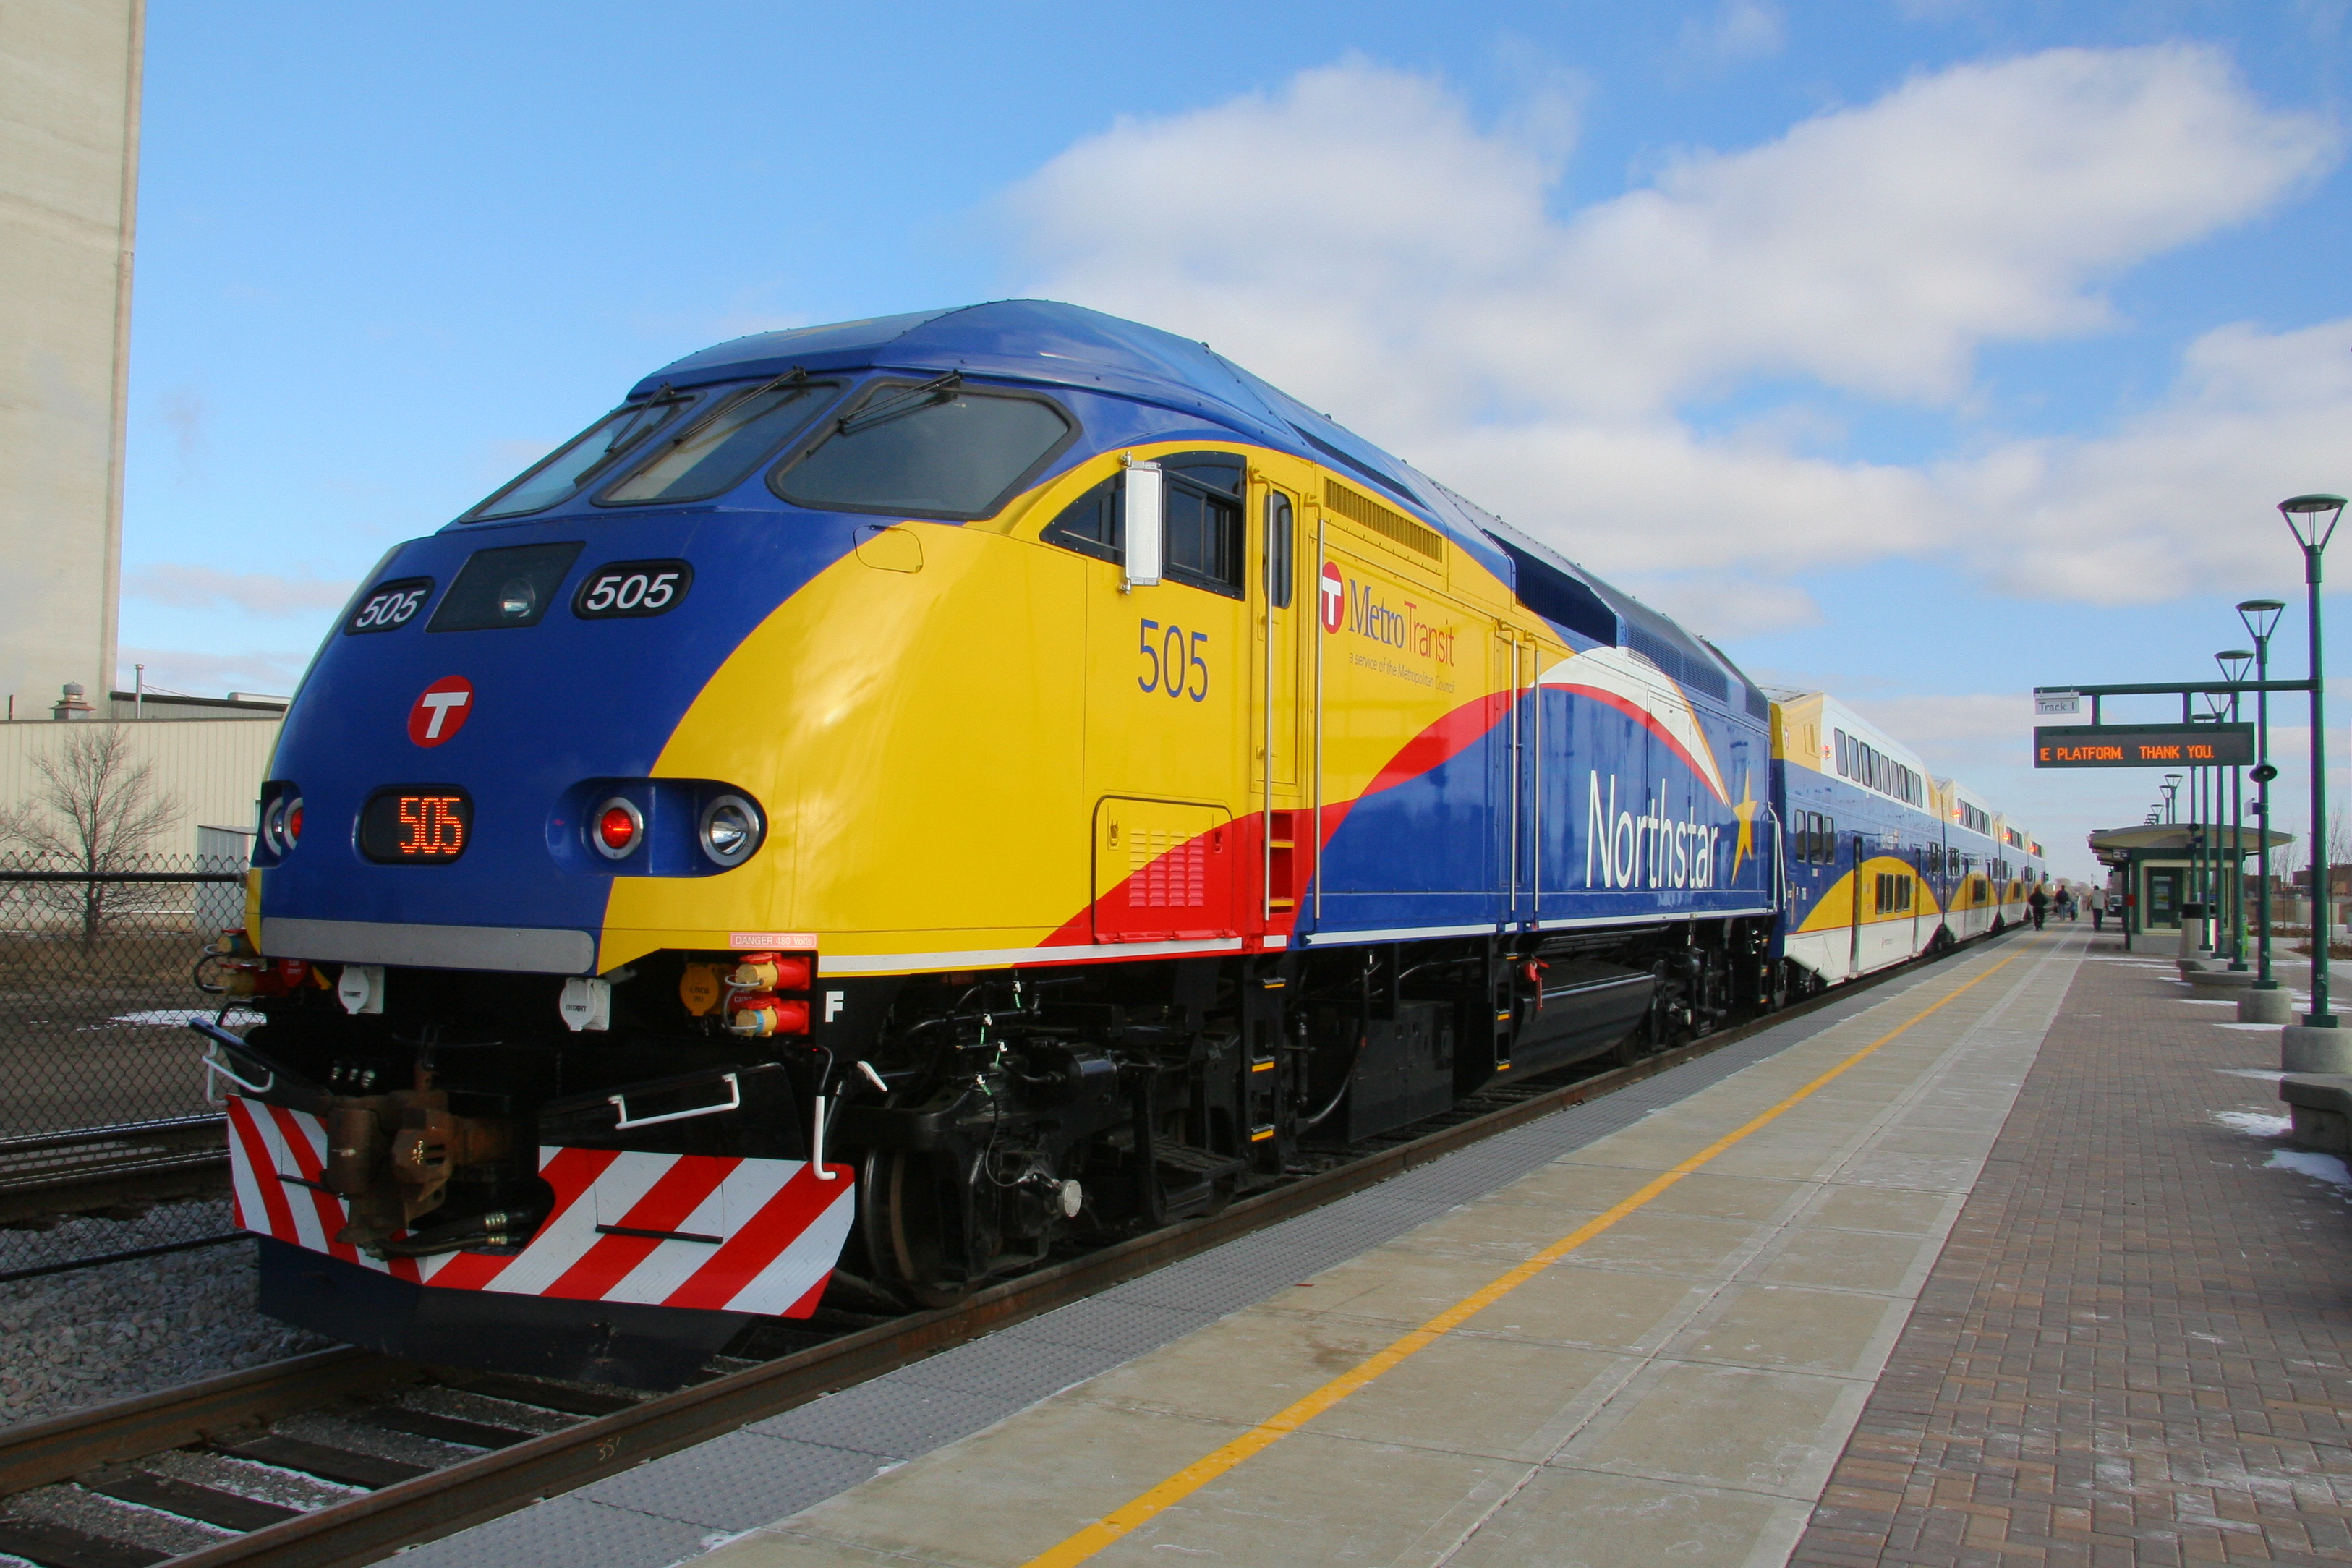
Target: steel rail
72	1137
473	1491
41	1452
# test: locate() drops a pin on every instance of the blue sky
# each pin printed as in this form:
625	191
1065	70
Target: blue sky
1923	352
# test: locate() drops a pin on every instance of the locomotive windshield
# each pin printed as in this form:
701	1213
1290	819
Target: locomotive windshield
715	452
956	455
581	459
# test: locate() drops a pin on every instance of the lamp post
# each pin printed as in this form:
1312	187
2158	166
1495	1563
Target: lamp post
2209	830
2261	617
2234	663
2172	788
2313	520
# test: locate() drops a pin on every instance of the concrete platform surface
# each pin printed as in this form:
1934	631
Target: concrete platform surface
1652	1346
2007	1261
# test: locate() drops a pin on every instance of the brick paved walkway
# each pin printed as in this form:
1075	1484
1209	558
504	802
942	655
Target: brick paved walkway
2134	1349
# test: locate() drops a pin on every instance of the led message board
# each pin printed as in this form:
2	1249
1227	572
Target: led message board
2142	745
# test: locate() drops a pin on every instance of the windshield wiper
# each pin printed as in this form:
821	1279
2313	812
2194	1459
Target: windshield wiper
626	436
790	378
940	390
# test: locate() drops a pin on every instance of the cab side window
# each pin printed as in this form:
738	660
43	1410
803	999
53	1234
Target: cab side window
1094	524
1278	550
1203	521
1205	537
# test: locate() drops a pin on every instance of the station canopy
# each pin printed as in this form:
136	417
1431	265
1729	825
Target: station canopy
2113	845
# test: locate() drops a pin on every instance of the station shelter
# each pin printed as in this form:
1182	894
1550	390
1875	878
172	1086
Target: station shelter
2157	869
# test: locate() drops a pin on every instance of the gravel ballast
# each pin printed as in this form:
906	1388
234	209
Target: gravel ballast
118	1330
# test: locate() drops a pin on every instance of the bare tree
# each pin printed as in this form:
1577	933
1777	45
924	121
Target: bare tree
97	809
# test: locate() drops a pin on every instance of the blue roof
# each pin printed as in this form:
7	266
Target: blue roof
1069	345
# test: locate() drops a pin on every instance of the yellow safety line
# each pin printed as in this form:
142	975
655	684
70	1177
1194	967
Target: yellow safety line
1267	1433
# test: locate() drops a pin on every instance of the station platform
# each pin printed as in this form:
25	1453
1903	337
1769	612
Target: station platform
2000	1261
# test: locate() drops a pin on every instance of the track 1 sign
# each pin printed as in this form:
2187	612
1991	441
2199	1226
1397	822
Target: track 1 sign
2143	745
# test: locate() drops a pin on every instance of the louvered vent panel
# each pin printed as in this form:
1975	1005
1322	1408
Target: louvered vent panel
1381	519
1654	647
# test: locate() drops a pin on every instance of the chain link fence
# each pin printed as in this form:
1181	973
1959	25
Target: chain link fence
107	1143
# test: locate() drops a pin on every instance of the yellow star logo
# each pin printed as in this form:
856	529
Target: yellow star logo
1745	845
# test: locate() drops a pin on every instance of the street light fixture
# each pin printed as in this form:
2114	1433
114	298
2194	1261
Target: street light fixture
2313	520
2208	833
2234	662
2261	617
2172	788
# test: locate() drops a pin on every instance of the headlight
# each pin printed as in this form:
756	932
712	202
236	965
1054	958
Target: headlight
730	829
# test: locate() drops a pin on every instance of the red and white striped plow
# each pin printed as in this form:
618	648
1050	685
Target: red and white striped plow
666	1230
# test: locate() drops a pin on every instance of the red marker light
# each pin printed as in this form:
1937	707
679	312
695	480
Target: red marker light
294	822
616	829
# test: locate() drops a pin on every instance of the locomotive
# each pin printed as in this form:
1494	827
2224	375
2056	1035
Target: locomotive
894	801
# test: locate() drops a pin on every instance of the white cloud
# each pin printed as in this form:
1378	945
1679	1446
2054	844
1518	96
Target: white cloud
2178	499
1358	239
1721	605
255	593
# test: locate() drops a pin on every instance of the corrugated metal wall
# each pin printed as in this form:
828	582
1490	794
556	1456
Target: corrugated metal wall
212	767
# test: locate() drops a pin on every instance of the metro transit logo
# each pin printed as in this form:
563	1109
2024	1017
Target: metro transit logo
441	711
1333	597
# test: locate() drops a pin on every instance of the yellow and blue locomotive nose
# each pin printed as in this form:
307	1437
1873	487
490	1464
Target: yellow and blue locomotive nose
475	749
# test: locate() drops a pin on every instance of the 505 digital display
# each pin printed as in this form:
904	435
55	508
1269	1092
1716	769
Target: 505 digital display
416	825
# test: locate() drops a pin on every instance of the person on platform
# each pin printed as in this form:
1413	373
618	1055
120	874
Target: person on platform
2040	904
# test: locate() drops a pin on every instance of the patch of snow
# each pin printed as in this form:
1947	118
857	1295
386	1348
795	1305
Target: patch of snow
2254	1122
2318	1167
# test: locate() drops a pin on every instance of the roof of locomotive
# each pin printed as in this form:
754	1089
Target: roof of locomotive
1045	341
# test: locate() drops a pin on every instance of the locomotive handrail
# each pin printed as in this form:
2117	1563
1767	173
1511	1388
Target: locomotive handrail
620	1104
215	1065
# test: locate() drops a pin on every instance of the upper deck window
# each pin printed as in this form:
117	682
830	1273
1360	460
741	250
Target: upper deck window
578	461
935	448
713	454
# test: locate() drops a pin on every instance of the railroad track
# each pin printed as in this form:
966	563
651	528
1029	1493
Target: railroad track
47	1174
343	1457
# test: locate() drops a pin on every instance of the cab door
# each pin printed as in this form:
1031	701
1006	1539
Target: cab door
1274	599
1279	599
1170	668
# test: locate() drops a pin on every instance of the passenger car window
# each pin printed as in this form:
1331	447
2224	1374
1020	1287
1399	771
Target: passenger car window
713	454
582	458
950	451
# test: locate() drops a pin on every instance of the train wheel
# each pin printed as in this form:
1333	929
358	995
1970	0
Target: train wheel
907	1219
